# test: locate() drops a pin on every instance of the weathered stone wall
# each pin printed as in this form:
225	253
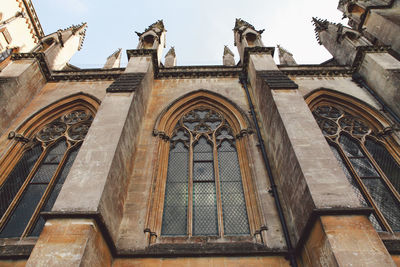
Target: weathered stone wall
344	240
381	71
165	91
70	243
343	85
48	94
384	24
19	82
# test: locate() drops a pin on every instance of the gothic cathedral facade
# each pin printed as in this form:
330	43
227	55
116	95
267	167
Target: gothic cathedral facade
243	164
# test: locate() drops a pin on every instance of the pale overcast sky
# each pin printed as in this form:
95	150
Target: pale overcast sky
198	29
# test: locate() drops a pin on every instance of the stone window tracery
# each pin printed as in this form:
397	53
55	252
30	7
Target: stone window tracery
202	189
204	193
371	169
34	183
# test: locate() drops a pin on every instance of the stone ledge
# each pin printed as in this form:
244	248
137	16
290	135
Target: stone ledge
15	248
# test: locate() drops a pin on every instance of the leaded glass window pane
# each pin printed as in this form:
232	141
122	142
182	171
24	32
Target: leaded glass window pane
53	141
385	201
205	219
55	191
232	195
385	161
208	147
17	177
176	191
350	133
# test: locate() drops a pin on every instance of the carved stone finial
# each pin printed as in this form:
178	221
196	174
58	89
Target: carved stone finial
171	52
170	58
285	57
239	23
229	57
320	24
227	51
114	60
157	27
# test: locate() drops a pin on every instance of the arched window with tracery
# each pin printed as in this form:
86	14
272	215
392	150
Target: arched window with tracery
369	162
204	193
41	163
203	186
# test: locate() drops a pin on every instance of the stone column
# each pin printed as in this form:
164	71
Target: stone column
312	185
92	198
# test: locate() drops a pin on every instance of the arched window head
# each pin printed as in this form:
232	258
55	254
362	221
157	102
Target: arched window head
42	161
202	184
204	193
373	171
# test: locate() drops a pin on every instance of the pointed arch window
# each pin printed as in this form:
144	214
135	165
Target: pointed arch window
365	157
204	193
35	181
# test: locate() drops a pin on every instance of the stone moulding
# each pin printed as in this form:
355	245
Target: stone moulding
317	70
199	72
78	75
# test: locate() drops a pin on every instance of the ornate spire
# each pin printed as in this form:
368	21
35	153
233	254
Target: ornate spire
239	23
285	57
157	26
76	29
320	25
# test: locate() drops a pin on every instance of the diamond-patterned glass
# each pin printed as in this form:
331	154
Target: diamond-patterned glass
50	163
232	195
385	201
16	178
56	190
174	221
205	219
349	177
203	125
57	136
385	161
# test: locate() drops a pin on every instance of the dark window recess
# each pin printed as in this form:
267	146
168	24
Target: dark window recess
17	177
55	191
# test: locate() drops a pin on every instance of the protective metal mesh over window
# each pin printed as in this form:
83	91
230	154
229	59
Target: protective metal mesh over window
370	168
202	162
34	183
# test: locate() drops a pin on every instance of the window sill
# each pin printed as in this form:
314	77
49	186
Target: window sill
204	249
13	248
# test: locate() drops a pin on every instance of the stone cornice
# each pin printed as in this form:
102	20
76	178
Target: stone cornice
76	75
199	72
316	70
362	50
